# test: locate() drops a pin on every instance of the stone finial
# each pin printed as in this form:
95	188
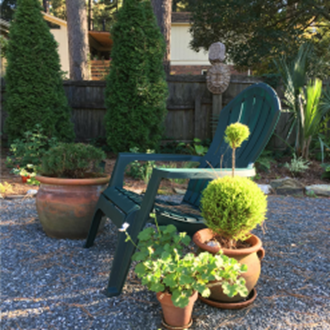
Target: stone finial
218	78
217	52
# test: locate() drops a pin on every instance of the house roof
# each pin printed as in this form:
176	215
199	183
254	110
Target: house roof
100	40
54	19
181	17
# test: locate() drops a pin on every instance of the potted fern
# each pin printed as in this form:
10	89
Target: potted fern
232	207
177	277
71	182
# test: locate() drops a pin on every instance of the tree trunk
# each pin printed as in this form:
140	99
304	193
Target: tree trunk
78	39
45	4
233	161
163	12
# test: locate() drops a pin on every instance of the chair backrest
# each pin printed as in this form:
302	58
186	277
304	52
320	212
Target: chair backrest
258	107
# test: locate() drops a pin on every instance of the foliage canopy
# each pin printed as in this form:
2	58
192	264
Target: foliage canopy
34	90
257	31
136	89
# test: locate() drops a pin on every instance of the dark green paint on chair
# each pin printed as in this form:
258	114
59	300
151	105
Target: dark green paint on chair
257	106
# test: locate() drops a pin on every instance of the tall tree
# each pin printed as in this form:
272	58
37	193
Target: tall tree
256	31
103	13
78	39
136	89
7	9
34	90
45	4
58	9
163	12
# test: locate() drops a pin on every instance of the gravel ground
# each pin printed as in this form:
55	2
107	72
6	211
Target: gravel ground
57	284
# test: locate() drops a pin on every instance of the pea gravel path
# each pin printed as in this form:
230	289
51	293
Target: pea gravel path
57	284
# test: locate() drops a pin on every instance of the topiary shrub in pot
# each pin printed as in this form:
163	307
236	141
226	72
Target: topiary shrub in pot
232	207
71	181
177	277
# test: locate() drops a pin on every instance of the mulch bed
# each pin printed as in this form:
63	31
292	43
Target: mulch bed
309	177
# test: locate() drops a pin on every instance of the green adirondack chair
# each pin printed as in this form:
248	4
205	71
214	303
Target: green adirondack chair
257	106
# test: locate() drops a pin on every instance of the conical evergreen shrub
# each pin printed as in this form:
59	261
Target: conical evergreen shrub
34	90
136	90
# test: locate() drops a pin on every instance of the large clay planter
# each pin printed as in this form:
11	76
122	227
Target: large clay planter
176	317
250	256
66	206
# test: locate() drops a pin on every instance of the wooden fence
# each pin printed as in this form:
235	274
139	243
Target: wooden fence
189	107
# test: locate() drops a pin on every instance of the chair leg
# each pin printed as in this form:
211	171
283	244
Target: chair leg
122	258
98	214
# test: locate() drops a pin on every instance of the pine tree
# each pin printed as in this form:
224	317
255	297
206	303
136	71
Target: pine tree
34	90
136	90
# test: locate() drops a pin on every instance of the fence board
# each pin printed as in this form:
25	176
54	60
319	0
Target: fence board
189	107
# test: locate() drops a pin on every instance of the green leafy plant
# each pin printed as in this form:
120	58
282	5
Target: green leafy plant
30	148
136	91
139	170
311	193
196	149
72	160
3	46
235	135
29	171
34	89
163	266
326	173
297	165
101	142
308	104
263	163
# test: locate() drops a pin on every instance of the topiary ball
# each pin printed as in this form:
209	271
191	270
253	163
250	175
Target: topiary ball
236	134
233	206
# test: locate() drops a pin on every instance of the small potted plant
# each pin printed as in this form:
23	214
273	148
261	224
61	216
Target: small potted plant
232	207
71	182
176	277
27	173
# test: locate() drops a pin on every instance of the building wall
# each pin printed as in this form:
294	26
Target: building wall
61	36
181	54
186	61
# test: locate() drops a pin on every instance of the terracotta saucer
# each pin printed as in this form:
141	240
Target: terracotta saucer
167	326
237	305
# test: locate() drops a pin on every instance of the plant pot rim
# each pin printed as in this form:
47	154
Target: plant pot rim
164	297
205	234
73	182
228	305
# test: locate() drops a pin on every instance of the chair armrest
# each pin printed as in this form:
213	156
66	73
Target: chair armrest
186	173
124	158
201	173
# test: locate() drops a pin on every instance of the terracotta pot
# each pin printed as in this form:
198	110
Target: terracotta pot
66	206
25	178
250	256
175	316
